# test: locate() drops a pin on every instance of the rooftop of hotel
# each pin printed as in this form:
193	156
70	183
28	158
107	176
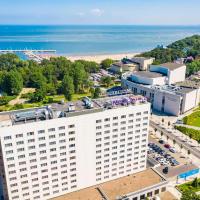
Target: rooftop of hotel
118	187
114	100
171	66
148	74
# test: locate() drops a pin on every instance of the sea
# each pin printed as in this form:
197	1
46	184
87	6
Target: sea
91	39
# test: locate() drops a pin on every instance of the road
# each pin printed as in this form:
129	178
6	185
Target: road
179	141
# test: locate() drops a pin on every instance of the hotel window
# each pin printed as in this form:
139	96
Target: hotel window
31	140
41	138
52	136
19	135
71	132
41	131
61	128
7	137
71	126
139	113
107	119
8	145
51	129
61	134
106	132
42	145
123	116
98	133
107	125
98	121
30	133
9	152
20	142
131	115
98	127
63	141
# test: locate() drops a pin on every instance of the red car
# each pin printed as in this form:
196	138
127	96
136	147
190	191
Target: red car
167	146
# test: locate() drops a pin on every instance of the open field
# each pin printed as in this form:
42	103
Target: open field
193	119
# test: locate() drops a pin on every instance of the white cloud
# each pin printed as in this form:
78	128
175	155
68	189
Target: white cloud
97	12
81	14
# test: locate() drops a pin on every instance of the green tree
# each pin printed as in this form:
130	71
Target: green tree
105	64
106	80
80	76
97	93
12	83
189	195
195	183
68	87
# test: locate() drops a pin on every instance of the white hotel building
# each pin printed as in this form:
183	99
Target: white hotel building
51	151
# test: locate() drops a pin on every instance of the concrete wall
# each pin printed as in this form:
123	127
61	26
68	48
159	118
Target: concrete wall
190	100
177	75
148	81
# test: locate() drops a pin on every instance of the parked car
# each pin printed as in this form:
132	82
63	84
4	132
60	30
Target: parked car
173	150
166	170
161	141
179	121
167	146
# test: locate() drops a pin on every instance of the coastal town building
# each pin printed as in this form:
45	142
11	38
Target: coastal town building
50	151
122	67
160	86
130	65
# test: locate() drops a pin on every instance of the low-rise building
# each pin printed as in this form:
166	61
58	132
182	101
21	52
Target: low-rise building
143	62
160	86
122	67
137	186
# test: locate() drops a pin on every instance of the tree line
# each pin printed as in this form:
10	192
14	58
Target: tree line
189	46
55	76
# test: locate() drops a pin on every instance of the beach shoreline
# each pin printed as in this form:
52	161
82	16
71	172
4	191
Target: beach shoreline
96	57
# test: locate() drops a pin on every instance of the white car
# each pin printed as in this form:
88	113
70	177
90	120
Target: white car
173	150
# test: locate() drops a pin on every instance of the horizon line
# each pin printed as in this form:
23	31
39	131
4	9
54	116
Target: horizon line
99	24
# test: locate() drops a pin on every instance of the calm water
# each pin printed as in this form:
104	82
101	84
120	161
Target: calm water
84	40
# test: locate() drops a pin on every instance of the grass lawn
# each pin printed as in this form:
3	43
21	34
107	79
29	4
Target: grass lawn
193	119
189	186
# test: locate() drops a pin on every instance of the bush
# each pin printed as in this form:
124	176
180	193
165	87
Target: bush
195	134
6	99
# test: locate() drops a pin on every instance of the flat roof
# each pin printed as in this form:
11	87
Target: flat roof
172	66
118	187
190	84
70	109
148	74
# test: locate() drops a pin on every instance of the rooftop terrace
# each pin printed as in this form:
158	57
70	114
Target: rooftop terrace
118	187
115	100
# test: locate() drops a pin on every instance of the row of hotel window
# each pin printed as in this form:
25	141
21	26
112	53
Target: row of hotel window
39	132
45	193
72	139
120	162
115	118
99	178
122	117
122	134
122	128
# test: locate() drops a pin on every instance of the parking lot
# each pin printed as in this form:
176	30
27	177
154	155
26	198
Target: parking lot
163	153
175	162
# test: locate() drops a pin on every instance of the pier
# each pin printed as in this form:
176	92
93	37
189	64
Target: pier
27	50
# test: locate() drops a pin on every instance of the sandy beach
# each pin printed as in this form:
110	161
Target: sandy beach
96	58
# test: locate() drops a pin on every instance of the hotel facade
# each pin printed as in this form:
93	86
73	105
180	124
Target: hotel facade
51	151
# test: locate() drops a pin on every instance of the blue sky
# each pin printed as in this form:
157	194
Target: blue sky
150	12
